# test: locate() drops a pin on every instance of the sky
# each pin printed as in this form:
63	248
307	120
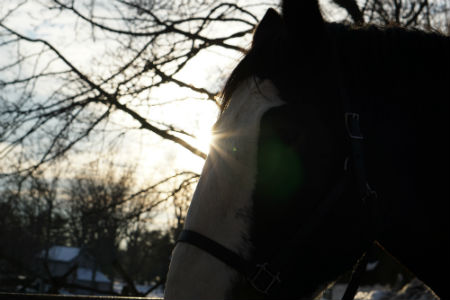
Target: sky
72	37
151	157
73	41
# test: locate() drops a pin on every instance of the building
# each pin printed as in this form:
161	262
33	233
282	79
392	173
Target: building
71	269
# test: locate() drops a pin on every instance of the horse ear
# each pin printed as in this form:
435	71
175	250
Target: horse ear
270	26
303	14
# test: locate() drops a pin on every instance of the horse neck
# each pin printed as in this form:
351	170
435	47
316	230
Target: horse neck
407	145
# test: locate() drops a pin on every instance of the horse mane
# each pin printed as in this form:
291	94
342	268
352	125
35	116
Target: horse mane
253	64
269	39
392	51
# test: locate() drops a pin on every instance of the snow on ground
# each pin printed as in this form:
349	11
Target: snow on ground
142	288
415	290
85	274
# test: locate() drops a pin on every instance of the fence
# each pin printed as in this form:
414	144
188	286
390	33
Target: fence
16	296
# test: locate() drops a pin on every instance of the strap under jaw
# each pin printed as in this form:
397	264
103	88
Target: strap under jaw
217	250
260	277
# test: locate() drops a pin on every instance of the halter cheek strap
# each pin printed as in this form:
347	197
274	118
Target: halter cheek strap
217	250
258	275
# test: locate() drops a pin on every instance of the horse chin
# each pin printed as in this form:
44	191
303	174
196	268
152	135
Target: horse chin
192	280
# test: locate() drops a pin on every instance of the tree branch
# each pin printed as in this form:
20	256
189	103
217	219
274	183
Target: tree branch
353	10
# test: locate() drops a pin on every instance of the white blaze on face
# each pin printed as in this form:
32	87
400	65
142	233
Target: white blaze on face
223	196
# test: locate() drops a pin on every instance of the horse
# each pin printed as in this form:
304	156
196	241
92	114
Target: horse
332	138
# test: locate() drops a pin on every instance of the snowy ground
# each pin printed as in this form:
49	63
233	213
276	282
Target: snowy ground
415	290
157	293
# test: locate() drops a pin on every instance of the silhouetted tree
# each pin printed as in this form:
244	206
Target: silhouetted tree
421	14
150	43
30	220
96	211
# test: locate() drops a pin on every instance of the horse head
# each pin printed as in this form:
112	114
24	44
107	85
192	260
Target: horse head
283	205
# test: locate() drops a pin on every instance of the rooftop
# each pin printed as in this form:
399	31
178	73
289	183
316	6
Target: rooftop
61	253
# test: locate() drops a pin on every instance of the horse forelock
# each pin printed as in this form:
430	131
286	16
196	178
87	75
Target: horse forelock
222	202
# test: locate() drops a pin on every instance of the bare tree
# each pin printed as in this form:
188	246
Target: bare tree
99	212
422	14
54	105
149	44
50	103
31	220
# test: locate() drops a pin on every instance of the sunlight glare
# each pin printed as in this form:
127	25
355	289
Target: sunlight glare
203	139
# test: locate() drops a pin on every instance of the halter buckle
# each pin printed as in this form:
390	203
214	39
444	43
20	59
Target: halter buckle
264	279
352	126
369	194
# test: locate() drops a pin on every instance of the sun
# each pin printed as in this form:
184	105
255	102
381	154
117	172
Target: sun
203	140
